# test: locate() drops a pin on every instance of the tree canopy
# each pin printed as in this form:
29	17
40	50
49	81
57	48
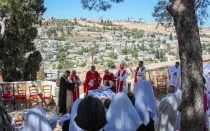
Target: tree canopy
162	15
20	32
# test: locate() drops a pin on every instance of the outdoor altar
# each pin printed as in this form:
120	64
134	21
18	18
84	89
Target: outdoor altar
103	92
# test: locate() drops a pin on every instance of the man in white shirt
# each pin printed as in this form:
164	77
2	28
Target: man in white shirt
167	112
139	69
175	74
121	76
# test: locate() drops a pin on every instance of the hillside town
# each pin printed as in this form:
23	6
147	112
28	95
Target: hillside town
78	43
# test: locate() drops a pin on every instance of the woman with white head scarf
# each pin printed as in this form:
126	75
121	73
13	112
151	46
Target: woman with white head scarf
121	115
36	121
145	103
73	126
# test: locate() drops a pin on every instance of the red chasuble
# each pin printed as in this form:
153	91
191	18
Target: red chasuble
119	82
76	91
108	78
90	76
136	73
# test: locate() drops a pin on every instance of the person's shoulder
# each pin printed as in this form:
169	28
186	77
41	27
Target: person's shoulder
88	72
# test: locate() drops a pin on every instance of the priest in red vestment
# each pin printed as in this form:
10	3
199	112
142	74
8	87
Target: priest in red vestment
121	75
139	69
109	80
75	79
92	80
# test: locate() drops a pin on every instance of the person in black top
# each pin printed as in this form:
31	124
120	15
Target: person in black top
64	86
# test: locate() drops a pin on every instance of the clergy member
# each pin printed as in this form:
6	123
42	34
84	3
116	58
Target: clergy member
167	111
92	80
75	79
175	74
109	80
63	95
121	76
140	68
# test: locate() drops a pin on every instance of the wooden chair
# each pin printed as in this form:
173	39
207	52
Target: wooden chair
8	91
21	97
33	98
161	83
47	94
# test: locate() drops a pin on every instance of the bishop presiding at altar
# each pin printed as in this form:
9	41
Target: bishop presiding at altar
92	80
109	80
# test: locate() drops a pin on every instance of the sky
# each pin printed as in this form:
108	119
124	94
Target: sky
70	9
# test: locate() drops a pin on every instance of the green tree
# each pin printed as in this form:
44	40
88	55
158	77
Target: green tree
113	55
171	36
157	54
18	39
33	63
75	21
83	64
164	41
110	63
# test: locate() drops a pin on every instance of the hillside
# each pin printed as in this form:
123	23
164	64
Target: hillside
67	44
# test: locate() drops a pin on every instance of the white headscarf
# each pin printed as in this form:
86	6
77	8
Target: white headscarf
121	115
145	102
36	121
72	125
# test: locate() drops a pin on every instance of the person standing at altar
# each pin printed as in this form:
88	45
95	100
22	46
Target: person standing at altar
92	80
65	93
75	79
175	74
109	80
140	68
121	76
